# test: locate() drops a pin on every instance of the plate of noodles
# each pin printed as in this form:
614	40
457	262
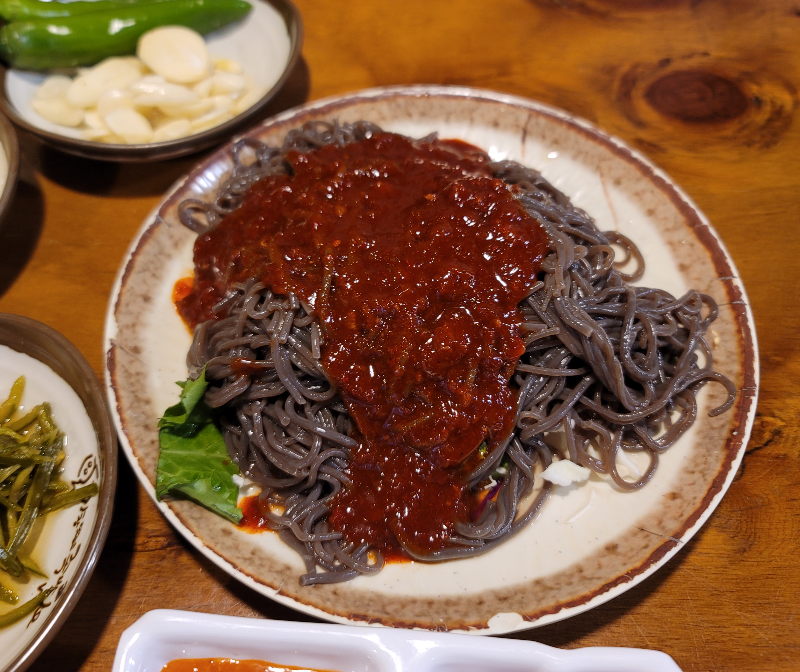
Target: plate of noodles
478	365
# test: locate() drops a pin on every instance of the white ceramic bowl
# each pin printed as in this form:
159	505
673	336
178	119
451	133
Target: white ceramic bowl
161	636
266	42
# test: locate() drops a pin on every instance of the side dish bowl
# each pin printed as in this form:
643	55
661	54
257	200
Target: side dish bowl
266	43
162	636
71	539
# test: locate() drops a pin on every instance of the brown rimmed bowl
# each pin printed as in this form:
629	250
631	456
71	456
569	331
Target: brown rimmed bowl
266	42
67	542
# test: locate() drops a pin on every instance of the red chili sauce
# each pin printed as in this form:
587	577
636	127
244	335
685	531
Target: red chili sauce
415	258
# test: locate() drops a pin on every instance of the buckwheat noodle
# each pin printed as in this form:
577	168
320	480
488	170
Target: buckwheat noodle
610	366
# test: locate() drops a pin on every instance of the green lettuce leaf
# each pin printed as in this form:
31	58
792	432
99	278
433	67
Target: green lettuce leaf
193	462
188	413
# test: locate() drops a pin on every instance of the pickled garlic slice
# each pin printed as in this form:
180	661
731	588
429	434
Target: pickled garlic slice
176	53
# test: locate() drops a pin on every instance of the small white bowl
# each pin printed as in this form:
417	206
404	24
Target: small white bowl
266	42
164	635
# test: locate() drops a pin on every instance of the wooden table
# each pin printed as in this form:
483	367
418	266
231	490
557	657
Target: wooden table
706	89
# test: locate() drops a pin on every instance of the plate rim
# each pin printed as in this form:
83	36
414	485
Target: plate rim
710	240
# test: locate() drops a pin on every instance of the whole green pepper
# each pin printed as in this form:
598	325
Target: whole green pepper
85	39
20	10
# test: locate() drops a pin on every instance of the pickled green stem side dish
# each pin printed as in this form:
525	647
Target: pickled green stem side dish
31	451
112	28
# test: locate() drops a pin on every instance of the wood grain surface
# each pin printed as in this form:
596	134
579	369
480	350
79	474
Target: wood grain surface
707	89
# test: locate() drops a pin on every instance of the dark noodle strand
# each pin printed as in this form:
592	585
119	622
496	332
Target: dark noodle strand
608	366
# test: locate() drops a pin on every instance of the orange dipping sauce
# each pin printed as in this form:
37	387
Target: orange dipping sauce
230	665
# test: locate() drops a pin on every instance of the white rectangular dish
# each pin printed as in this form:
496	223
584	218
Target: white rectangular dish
164	635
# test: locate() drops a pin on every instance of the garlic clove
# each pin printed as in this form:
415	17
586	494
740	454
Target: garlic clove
95	122
203	87
136	62
246	101
166	94
87	88
114	72
82	93
172	130
129	125
58	111
176	53
97	134
222	103
148	84
227	65
227	84
189	110
215	117
220	113
113	99
54	86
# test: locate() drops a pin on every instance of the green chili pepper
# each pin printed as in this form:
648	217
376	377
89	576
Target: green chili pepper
21	10
85	39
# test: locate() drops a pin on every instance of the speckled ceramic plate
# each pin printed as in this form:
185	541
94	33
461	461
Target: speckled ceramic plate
591	542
